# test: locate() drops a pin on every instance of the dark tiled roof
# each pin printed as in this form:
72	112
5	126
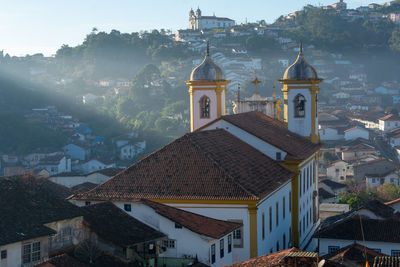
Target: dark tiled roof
26	205
82	188
355	253
114	225
374	230
324	194
194	222
333	184
279	259
378	208
201	165
386	261
274	132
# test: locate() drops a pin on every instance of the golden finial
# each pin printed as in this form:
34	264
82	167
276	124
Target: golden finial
256	82
238	93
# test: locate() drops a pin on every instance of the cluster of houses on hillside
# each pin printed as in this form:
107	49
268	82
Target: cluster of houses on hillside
84	153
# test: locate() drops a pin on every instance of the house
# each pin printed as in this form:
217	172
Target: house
325	196
131	150
356	132
332	209
394	137
56	164
34	221
339	171
357	151
395	204
373	225
115	232
353	255
96	177
77	151
373	168
389	122
379	177
96	165
285	258
333	188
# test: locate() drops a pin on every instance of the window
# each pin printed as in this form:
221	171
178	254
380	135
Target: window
169	243
87	203
299	106
290	237
284	241
221	248
278	156
308	221
301	180
178	226
205	107
277	214
229	243
213	253
270	219
3	254
127	207
290	201
31	252
277	245
304	223
395	253
304	181
263	226
333	249
237	235
284	207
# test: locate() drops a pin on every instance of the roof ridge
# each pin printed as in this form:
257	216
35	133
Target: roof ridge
218	165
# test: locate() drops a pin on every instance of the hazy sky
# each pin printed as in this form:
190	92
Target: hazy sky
42	26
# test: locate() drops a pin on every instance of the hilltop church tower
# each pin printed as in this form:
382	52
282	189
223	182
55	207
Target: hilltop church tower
207	89
300	94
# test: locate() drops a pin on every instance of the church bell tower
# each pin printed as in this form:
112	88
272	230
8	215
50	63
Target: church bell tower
207	89
300	94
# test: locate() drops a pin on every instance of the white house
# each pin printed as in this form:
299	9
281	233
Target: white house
339	171
77	151
389	122
55	164
96	165
129	151
378	178
356	132
371	226
330	133
96	177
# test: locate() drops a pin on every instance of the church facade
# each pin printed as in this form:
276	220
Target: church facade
248	167
199	22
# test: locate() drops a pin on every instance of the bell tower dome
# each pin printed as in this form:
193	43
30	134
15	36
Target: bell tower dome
300	93
207	89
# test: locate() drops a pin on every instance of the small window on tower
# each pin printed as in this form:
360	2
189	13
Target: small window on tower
205	107
299	106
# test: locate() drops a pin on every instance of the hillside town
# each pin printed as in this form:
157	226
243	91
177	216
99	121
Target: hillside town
306	176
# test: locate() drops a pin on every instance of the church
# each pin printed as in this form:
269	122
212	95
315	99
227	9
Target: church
199	22
249	168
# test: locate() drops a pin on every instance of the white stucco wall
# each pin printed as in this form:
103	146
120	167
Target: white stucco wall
250	139
187	242
356	133
329	134
14	252
301	126
269	242
197	95
70	181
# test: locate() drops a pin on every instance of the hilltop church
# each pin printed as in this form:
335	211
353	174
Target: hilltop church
247	167
199	22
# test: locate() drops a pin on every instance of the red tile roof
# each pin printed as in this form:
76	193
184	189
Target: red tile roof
355	253
279	259
274	132
201	165
194	222
390	117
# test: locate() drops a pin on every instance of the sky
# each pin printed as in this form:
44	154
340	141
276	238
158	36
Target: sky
42	26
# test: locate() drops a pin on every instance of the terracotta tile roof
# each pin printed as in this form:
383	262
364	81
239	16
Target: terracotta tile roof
279	259
386	261
333	184
355	253
374	230
114	225
201	165
360	147
194	222
390	117
274	132
36	202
